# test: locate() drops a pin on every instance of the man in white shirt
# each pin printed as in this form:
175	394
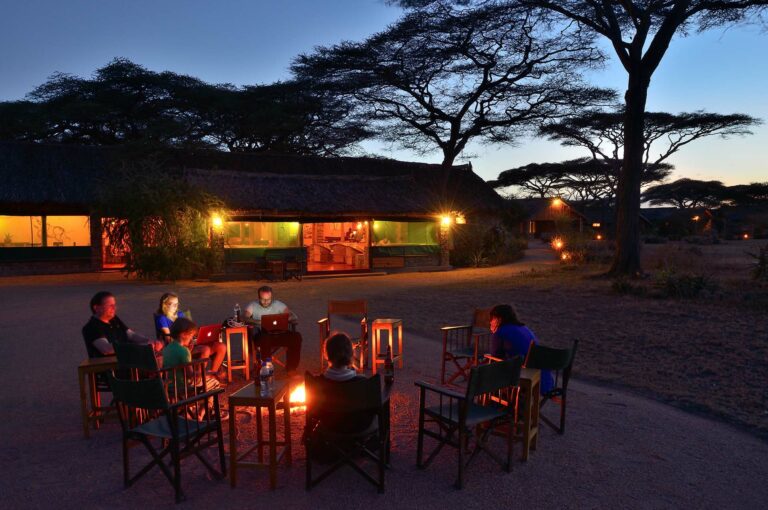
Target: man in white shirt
268	342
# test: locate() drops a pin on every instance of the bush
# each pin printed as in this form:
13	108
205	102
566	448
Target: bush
623	286
701	240
485	245
580	248
672	284
160	223
760	264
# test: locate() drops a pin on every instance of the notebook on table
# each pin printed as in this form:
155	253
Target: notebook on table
276	323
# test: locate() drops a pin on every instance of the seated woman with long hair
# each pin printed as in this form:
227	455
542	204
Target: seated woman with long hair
511	337
167	313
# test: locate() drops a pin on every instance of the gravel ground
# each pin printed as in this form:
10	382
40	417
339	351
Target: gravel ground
621	449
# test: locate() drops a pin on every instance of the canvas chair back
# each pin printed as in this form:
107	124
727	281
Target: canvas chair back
491	378
135	357
143	394
549	358
356	308
351	396
481	318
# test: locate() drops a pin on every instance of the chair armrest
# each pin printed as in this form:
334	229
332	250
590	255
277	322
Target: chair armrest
491	358
442	390
201	396
323	320
450	328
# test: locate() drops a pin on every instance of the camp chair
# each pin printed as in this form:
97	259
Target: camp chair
295	267
145	413
559	361
359	310
464	345
485	406
334	411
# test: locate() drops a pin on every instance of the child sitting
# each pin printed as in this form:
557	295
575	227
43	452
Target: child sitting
177	353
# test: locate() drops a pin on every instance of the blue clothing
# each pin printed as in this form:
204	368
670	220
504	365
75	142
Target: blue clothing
161	321
511	340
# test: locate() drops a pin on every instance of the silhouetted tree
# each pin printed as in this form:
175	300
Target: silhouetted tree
441	77
748	194
288	117
586	180
640	32
124	103
687	193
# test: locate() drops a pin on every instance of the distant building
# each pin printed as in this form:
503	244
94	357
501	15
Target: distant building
332	214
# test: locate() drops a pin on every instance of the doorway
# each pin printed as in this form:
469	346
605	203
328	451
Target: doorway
333	247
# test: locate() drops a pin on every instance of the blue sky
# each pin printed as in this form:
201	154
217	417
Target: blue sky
247	42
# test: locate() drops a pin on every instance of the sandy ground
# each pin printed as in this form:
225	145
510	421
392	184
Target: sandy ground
621	449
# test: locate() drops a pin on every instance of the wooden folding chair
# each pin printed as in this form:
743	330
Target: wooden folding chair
357	309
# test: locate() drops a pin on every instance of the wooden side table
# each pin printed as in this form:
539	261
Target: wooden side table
530	388
389	325
250	396
245	363
86	377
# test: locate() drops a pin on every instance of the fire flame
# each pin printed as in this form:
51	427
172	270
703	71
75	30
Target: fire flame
298	395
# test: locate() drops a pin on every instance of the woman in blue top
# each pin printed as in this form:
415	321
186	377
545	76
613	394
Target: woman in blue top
166	315
510	338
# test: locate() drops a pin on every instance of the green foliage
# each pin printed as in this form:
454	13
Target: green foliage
159	221
760	264
674	284
625	286
478	245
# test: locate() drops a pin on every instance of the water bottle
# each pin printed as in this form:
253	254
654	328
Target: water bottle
389	367
237	312
271	376
264	376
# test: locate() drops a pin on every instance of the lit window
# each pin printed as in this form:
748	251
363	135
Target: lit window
21	231
261	234
68	231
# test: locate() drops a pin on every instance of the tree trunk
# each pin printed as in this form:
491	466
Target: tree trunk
627	259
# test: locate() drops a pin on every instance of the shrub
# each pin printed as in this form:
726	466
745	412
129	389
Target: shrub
672	284
160	222
624	286
760	264
478	245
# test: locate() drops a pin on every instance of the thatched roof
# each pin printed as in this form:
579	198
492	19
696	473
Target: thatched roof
59	177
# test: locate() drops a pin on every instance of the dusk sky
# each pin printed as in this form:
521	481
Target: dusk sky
248	42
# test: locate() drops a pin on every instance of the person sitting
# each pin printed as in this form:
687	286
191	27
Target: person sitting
167	313
266	342
105	328
339	352
510	337
177	353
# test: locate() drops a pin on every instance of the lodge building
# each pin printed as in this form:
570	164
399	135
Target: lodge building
332	214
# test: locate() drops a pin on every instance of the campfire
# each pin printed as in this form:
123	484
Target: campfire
298	396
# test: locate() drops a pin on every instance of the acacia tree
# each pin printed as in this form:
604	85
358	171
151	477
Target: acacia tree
287	117
586	180
640	32
602	134
124	103
687	193
441	77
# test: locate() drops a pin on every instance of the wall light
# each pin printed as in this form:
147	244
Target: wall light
445	221
217	222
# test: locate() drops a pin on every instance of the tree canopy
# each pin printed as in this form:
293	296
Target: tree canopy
443	76
124	103
687	194
640	32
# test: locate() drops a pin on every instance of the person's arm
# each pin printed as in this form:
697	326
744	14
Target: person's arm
248	317
292	316
497	346
103	346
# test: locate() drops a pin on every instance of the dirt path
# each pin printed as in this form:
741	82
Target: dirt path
620	450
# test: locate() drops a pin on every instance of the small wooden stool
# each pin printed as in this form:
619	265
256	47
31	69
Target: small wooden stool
245	363
378	356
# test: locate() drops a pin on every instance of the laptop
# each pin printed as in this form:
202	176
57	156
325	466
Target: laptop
208	334
276	323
